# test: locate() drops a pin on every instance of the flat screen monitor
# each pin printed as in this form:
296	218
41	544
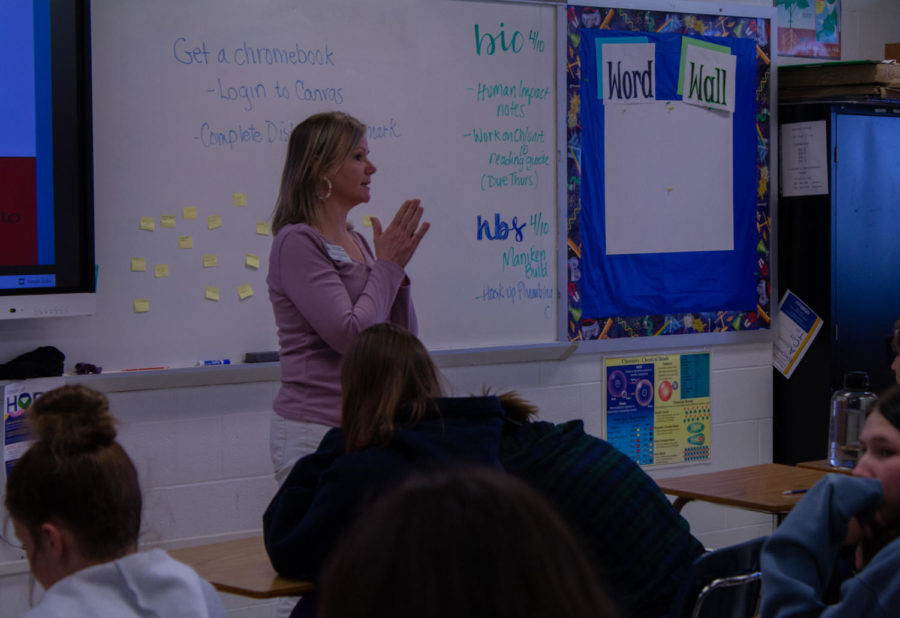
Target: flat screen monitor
46	181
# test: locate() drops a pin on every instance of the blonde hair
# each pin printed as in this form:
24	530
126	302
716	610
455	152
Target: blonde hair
385	368
316	145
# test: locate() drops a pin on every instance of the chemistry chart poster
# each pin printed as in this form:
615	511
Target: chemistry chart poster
658	407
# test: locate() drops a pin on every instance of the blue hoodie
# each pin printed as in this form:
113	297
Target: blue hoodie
798	559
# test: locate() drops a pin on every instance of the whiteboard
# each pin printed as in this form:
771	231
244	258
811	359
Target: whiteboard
193	104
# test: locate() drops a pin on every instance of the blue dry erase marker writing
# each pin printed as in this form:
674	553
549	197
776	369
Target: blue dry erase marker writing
223	361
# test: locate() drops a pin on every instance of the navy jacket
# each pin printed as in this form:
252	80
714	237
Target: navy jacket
327	490
641	546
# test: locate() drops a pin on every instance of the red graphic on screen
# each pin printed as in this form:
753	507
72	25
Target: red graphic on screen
18	211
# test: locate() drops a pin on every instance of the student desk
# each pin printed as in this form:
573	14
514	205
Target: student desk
240	567
756	488
825	466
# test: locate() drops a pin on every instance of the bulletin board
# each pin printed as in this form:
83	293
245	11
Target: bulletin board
668	205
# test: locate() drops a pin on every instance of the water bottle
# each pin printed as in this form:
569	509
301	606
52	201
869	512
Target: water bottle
848	413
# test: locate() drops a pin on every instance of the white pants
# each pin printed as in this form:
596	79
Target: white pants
291	440
288	442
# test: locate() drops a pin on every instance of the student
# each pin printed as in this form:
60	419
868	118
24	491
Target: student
75	504
863	511
628	527
465	542
641	545
393	422
325	284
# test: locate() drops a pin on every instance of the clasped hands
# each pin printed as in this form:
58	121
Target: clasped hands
400	240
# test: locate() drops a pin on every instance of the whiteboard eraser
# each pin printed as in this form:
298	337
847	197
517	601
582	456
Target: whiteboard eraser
260	357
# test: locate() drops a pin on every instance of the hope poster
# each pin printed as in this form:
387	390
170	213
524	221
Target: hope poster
658	407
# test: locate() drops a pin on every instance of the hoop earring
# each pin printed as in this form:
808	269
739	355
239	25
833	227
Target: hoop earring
322	198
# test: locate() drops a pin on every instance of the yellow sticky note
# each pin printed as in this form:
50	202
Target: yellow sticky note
213	221
167	220
185	242
141	305
240	199
138	265
245	291
212	293
161	270
252	260
210	260
148	224
367	221
262	228
189	213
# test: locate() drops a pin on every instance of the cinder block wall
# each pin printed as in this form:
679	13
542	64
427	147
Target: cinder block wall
203	456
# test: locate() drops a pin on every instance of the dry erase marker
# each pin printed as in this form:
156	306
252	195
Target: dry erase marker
146	369
223	361
791	492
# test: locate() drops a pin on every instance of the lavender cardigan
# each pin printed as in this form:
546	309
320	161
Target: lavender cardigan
322	300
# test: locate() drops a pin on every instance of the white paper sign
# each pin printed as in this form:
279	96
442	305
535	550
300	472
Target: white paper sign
628	73
796	326
17	397
709	78
15	438
804	159
673	193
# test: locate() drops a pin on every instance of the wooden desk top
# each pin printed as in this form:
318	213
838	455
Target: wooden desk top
825	466
240	567
757	488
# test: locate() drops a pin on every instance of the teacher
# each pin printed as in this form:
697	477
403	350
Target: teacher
325	283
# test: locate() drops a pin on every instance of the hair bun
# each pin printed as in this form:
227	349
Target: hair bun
72	419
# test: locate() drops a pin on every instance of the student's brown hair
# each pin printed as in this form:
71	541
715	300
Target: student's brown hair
882	533
888	405
316	145
386	367
516	408
463	542
77	475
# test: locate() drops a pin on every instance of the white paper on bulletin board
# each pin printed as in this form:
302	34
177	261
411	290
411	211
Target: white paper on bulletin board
659	198
658	407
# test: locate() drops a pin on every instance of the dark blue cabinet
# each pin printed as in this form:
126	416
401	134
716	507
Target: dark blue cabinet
840	253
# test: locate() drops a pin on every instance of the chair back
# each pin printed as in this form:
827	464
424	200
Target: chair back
723	583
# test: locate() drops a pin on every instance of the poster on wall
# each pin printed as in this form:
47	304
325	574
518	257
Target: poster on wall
804	158
809	28
17	397
16	438
658	407
797	327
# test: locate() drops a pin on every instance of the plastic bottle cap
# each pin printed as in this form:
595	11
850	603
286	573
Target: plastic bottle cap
858	380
